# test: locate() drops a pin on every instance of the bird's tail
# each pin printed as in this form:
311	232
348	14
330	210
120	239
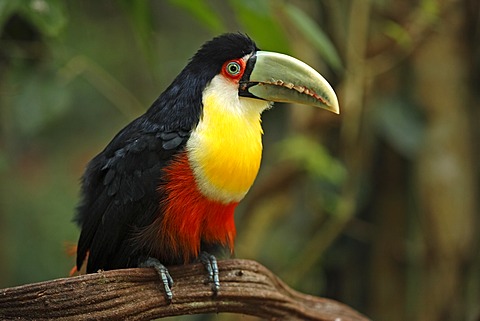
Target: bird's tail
71	251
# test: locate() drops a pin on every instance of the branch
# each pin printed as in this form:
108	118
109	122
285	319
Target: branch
135	294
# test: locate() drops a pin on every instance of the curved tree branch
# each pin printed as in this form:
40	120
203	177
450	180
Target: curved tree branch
135	294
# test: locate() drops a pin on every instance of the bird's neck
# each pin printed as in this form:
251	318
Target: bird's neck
225	148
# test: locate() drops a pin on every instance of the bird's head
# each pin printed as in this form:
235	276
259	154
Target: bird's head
264	75
231	68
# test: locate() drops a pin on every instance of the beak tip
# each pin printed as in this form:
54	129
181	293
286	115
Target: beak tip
332	104
335	108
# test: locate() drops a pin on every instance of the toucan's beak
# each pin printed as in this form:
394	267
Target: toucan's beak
281	78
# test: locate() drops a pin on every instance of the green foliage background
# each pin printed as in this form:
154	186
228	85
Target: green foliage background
377	207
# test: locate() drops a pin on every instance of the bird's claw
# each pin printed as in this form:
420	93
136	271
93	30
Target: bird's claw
208	260
165	276
210	263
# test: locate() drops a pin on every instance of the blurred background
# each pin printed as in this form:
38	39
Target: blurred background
376	207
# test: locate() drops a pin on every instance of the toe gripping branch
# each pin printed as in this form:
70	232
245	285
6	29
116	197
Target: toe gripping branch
163	274
208	260
210	263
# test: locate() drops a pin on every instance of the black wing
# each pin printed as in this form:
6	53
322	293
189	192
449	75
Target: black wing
119	193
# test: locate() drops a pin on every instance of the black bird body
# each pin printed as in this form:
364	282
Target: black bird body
167	185
122	186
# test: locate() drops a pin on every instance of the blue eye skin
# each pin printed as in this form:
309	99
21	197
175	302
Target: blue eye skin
233	68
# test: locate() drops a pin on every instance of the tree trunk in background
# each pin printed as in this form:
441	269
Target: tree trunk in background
388	277
445	172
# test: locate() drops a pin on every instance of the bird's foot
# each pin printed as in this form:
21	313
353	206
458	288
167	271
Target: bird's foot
210	263
163	273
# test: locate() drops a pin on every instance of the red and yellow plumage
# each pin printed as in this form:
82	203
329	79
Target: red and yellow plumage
190	217
205	183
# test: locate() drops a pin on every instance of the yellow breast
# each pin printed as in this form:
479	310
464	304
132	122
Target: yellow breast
225	148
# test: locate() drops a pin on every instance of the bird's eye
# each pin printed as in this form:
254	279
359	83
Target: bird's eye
233	68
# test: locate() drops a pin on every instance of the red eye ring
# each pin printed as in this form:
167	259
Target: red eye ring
233	69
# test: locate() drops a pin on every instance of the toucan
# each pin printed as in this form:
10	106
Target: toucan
164	190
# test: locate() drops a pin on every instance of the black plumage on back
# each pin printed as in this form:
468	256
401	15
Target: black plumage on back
120	194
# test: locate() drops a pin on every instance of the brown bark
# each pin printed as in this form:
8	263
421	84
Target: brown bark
136	294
